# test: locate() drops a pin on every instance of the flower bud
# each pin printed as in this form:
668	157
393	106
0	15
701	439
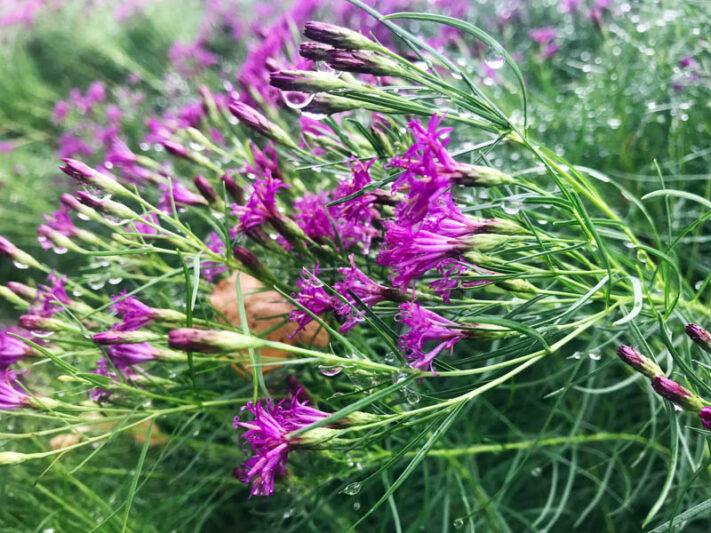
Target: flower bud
700	336
255	120
306	81
41	323
114	336
211	341
363	62
705	416
234	190
13	458
314	51
107	206
253	265
23	291
478	175
638	361
208	192
87	175
316	437
175	148
328	104
74	204
17	255
338	36
56	238
11	297
674	392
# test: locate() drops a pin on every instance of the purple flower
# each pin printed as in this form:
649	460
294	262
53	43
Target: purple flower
60	111
542	35
135	313
61	223
450	269
368	291
182	197
143	228
410	253
260	207
211	269
12	349
686	62
705	416
125	355
11	394
313	297
267	435
311	216
426	326
100	395
49	297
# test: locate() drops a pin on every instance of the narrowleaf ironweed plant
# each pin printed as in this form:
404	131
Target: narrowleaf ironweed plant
424	298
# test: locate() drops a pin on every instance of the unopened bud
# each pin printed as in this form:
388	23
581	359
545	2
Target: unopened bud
211	341
87	175
107	206
671	390
57	239
314	51
175	148
253	265
700	336
234	190
41	323
74	204
18	256
23	291
338	36
10	296
363	62
306	81
705	416
124	337
207	191
328	104
13	458
638	361
255	120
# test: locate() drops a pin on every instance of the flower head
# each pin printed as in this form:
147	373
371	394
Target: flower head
211	269
135	314
267	435
50	297
125	355
11	394
313	297
12	349
426	326
261	206
311	216
368	291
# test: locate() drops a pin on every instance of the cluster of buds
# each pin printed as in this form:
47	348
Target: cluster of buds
666	387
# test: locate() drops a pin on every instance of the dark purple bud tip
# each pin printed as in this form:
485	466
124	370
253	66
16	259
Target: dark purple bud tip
234	190
39	323
88	200
336	36
247	258
207	191
700	336
175	148
192	340
77	170
671	390
70	202
7	248
314	51
705	416
638	361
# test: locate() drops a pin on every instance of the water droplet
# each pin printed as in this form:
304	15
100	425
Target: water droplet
352	488
330	370
96	284
594	356
641	256
20	266
512	207
614	122
494	60
82	216
314	116
536	472
390	358
698	285
677	407
458	523
412	396
356	506
400	376
576	355
296	100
